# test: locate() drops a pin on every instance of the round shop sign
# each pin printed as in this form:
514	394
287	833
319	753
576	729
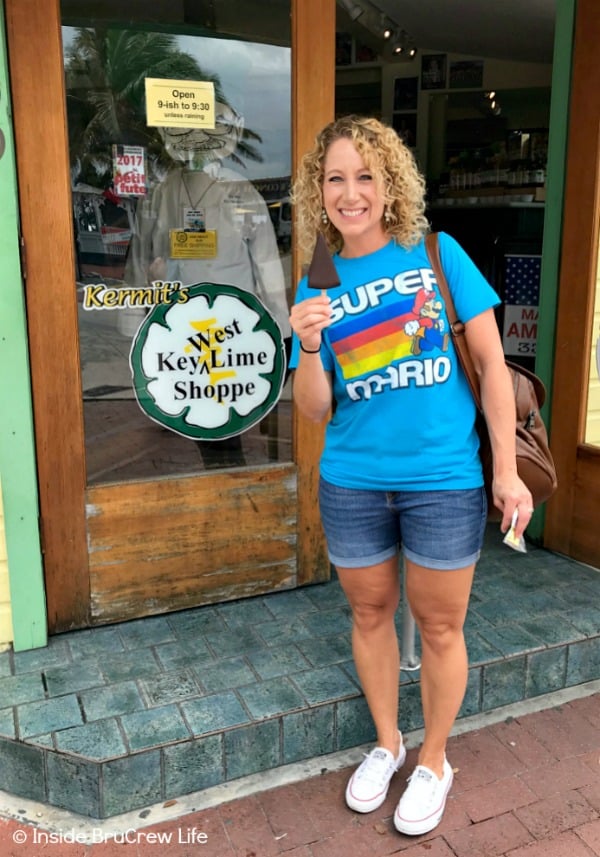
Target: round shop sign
210	364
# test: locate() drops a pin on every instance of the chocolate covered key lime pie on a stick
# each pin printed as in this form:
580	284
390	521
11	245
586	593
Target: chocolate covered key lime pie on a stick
321	272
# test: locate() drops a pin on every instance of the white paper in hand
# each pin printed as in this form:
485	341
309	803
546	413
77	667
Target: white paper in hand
517	544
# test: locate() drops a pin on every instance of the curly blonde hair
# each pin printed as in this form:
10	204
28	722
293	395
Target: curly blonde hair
390	161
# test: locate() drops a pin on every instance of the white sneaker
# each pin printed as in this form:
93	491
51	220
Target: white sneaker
368	786
422	805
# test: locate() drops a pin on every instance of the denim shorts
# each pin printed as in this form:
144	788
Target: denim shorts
436	529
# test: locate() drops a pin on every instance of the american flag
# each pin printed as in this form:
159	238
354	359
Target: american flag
522	279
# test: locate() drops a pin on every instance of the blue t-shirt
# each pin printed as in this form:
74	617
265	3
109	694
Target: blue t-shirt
404	417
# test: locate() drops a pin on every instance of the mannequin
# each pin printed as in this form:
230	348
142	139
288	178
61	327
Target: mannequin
200	194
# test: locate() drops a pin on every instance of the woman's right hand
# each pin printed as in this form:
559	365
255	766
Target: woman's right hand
309	318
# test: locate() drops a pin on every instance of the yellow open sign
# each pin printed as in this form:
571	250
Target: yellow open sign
180	103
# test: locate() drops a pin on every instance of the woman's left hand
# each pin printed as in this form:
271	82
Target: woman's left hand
511	493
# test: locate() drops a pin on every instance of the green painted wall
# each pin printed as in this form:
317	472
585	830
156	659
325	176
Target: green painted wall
553	218
17	453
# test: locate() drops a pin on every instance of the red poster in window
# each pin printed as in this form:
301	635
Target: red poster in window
129	170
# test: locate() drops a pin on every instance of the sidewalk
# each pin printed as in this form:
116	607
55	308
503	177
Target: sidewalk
527	785
112	719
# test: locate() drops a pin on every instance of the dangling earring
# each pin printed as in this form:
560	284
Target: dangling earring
387	216
324	218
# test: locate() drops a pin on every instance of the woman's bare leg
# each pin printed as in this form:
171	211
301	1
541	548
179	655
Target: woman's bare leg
373	594
439	601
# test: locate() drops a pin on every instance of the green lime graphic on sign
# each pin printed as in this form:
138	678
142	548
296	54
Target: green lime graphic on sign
211	364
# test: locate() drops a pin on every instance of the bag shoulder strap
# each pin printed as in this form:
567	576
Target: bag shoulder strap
457	328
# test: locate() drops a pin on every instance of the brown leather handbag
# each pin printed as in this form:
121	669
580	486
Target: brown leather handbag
535	465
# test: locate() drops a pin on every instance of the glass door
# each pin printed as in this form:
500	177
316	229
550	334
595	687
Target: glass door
196	194
159	275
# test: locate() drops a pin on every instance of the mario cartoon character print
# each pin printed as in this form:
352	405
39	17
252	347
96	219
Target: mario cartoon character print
424	323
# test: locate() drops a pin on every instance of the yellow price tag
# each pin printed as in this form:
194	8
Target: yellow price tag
193	245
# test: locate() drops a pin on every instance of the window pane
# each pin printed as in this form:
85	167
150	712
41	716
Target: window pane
139	187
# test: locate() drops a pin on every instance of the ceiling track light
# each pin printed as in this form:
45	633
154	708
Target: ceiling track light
377	22
403	44
386	28
399	42
490	103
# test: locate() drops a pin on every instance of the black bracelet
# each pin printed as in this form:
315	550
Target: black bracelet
309	350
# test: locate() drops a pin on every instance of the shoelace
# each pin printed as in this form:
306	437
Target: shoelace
376	767
420	786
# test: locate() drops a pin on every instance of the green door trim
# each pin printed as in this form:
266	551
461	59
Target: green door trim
17	447
553	218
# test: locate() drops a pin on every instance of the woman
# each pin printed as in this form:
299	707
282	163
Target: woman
400	466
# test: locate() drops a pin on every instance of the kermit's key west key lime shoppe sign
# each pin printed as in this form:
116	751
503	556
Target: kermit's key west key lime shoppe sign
210	364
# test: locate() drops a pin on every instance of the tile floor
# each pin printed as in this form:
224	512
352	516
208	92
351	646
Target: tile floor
106	720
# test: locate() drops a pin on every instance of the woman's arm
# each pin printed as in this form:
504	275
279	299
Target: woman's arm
312	385
498	403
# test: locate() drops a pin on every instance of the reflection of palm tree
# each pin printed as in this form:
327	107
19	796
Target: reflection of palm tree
105	77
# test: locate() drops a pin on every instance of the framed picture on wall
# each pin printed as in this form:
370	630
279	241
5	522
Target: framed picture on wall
405	93
433	71
466	74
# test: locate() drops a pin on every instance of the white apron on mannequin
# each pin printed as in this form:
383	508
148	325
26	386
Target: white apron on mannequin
247	255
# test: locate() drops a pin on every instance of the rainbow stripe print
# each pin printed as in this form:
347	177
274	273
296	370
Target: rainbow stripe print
360	350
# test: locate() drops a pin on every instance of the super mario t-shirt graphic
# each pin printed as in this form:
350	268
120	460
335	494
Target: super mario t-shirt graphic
407	326
403	407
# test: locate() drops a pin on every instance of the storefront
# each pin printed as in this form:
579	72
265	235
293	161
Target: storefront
137	518
158	147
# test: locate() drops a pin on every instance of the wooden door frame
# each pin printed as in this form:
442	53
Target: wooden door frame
313	105
40	127
41	142
568	510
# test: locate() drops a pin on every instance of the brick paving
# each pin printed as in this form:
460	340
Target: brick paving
526	787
